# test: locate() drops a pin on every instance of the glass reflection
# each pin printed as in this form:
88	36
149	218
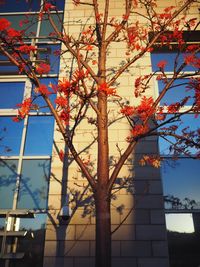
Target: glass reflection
183	240
171	59
8	175
33	243
181	183
24	5
188	123
30	27
46	27
19	6
39	101
39	136
2	224
33	191
181	223
176	93
50	54
10	136
11	93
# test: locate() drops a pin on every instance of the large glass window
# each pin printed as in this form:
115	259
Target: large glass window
24	5
8	171
11	93
33	192
26	146
180	172
10	136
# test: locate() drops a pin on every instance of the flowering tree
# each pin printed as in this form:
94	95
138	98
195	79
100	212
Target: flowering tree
91	84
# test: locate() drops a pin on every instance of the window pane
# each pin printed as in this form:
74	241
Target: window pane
24	5
188	120
183	239
8	175
33	243
39	101
177	93
19	5
30	26
39	138
46	27
34	184
10	136
170	58
11	93
181	183
49	54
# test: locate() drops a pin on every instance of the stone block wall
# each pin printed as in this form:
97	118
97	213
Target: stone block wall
141	239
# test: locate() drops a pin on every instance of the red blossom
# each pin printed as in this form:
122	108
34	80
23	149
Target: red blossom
161	64
76	2
79	75
61	101
12	33
61	155
43	68
145	109
139	130
64	86
24	21
173	108
106	89
192	60
4	24
152	160
169	9
165	16
192	48
64	116
127	110
26	49
43	89
16	119
140	85
89	48
25	107
48	6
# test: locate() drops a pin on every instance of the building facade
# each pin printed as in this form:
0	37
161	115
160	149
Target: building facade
158	211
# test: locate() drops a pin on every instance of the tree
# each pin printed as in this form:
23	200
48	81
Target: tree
91	85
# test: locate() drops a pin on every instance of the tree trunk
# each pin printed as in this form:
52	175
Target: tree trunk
103	229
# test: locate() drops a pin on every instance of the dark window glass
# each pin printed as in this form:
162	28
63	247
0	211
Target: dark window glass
177	92
6	67
26	23
24	5
183	231
10	136
33	243
2	225
189	121
19	5
170	58
39	136
46	27
49	54
181	183
11	93
8	176
34	184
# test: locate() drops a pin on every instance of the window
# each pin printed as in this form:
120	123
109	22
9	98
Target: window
26	146
180	177
25	154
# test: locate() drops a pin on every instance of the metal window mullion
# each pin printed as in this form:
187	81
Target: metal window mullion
19	168
27	93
